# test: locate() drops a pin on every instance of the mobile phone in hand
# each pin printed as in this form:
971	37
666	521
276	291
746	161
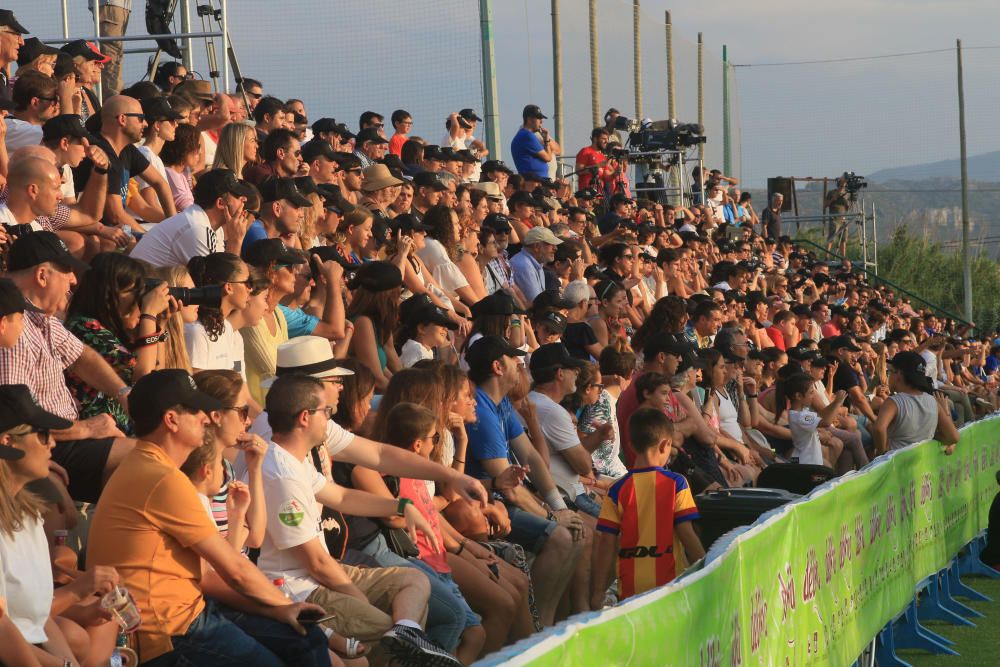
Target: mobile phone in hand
309	617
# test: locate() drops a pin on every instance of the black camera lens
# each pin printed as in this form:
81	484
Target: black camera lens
209	296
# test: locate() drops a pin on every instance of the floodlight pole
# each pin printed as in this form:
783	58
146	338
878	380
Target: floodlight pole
595	67
557	85
491	110
727	154
966	259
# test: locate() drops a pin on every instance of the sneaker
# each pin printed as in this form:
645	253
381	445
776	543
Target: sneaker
412	646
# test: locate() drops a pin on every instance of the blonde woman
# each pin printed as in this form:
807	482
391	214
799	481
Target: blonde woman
237	148
173	353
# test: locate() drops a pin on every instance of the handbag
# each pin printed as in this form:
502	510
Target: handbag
397	539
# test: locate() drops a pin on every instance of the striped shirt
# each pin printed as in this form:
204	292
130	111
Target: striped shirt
642	508
42	353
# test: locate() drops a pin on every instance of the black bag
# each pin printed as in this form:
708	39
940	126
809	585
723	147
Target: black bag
397	538
721	511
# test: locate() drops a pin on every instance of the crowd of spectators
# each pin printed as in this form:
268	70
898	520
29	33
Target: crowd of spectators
315	393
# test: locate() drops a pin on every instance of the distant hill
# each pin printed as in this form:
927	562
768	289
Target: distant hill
982	168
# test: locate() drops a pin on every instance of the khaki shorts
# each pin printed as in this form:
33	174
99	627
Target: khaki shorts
369	621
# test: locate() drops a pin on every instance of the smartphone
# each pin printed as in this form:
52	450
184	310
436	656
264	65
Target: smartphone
313	617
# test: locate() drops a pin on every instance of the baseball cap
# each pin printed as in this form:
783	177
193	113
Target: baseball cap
377	277
33	48
158	108
469	114
553	355
666	344
521	197
913	369
274	189
65	125
491	166
216	182
551	298
431	314
428	179
17	407
39	247
315	148
407	222
839	342
498	222
12	299
498	303
7	20
85	49
324	125
265	252
553	320
586	194
370	134
532	111
157	392
541	235
488	349
433	152
343	132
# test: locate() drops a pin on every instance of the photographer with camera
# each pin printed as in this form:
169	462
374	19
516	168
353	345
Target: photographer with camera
837	203
119	313
598	165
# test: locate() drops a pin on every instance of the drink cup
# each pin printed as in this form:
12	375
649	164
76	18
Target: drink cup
121	604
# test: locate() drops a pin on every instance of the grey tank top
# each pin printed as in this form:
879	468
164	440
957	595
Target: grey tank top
916	419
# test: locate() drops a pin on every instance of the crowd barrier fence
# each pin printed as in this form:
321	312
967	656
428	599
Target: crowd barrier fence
810	583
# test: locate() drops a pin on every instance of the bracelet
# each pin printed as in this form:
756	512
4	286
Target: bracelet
457	461
401	506
751	395
100	170
461	546
147	316
123	392
152	339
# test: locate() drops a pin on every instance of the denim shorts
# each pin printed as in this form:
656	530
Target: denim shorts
586	504
472	619
529	530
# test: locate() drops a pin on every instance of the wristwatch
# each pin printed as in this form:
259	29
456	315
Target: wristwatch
401	506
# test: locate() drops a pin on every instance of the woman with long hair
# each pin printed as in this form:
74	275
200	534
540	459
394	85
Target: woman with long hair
610	324
417	279
355	404
441	250
115	312
354	236
668	316
238	509
173	353
237	148
65	625
374	311
182	158
212	341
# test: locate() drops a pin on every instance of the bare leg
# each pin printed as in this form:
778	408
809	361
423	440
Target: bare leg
487	598
551	572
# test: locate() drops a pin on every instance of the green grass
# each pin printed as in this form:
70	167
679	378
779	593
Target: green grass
977	646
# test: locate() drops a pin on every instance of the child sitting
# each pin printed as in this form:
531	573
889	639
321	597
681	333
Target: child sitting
644	516
800	390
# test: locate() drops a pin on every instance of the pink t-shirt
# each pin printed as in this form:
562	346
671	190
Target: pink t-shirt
416	491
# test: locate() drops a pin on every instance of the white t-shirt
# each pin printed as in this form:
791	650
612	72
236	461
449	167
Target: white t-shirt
293	519
337	439
26	579
68	184
179	238
226	353
805	439
154	160
211	145
21	133
560	434
414	351
445	272
7	218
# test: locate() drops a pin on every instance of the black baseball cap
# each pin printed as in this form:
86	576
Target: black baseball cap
34	48
158	108
839	342
315	148
343	132
12	299
498	303
521	197
428	179
431	314
36	248
586	194
553	356
491	166
157	392
265	252
469	114
377	277
65	125
666	344
17	407
488	349
532	111
85	49
216	182
498	222
553	320
7	20
407	222
274	189
550	298
325	125
370	134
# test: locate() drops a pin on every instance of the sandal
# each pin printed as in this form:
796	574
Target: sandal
353	648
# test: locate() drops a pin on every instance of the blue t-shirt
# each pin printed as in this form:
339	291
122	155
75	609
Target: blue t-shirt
523	148
255	232
300	323
489	438
992	364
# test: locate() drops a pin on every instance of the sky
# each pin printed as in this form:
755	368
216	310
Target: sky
810	120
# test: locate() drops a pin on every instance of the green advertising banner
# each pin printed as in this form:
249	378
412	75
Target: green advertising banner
814	583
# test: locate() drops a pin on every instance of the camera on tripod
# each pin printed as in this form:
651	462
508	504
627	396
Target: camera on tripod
854	183
661	135
616	153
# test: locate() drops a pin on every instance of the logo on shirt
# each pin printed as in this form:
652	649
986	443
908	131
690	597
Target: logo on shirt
291	513
644	552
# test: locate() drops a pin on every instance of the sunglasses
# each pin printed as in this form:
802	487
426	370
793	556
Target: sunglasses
256	96
334	380
50	100
435	439
43	434
242	410
140	116
598	385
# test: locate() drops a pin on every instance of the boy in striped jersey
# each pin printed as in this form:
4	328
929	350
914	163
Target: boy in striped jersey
646	516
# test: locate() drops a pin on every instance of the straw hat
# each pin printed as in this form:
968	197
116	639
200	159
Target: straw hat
378	177
306	355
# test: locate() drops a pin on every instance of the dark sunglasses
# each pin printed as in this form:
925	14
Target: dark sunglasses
436	438
242	410
140	116
43	434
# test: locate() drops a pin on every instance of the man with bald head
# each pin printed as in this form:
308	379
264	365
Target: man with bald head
122	123
34	190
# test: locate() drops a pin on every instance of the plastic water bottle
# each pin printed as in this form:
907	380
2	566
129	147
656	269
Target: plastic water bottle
280	583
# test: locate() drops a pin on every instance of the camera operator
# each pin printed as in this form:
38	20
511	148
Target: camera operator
595	165
837	203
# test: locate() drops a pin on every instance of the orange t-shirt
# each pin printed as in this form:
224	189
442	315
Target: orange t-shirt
145	525
396	144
